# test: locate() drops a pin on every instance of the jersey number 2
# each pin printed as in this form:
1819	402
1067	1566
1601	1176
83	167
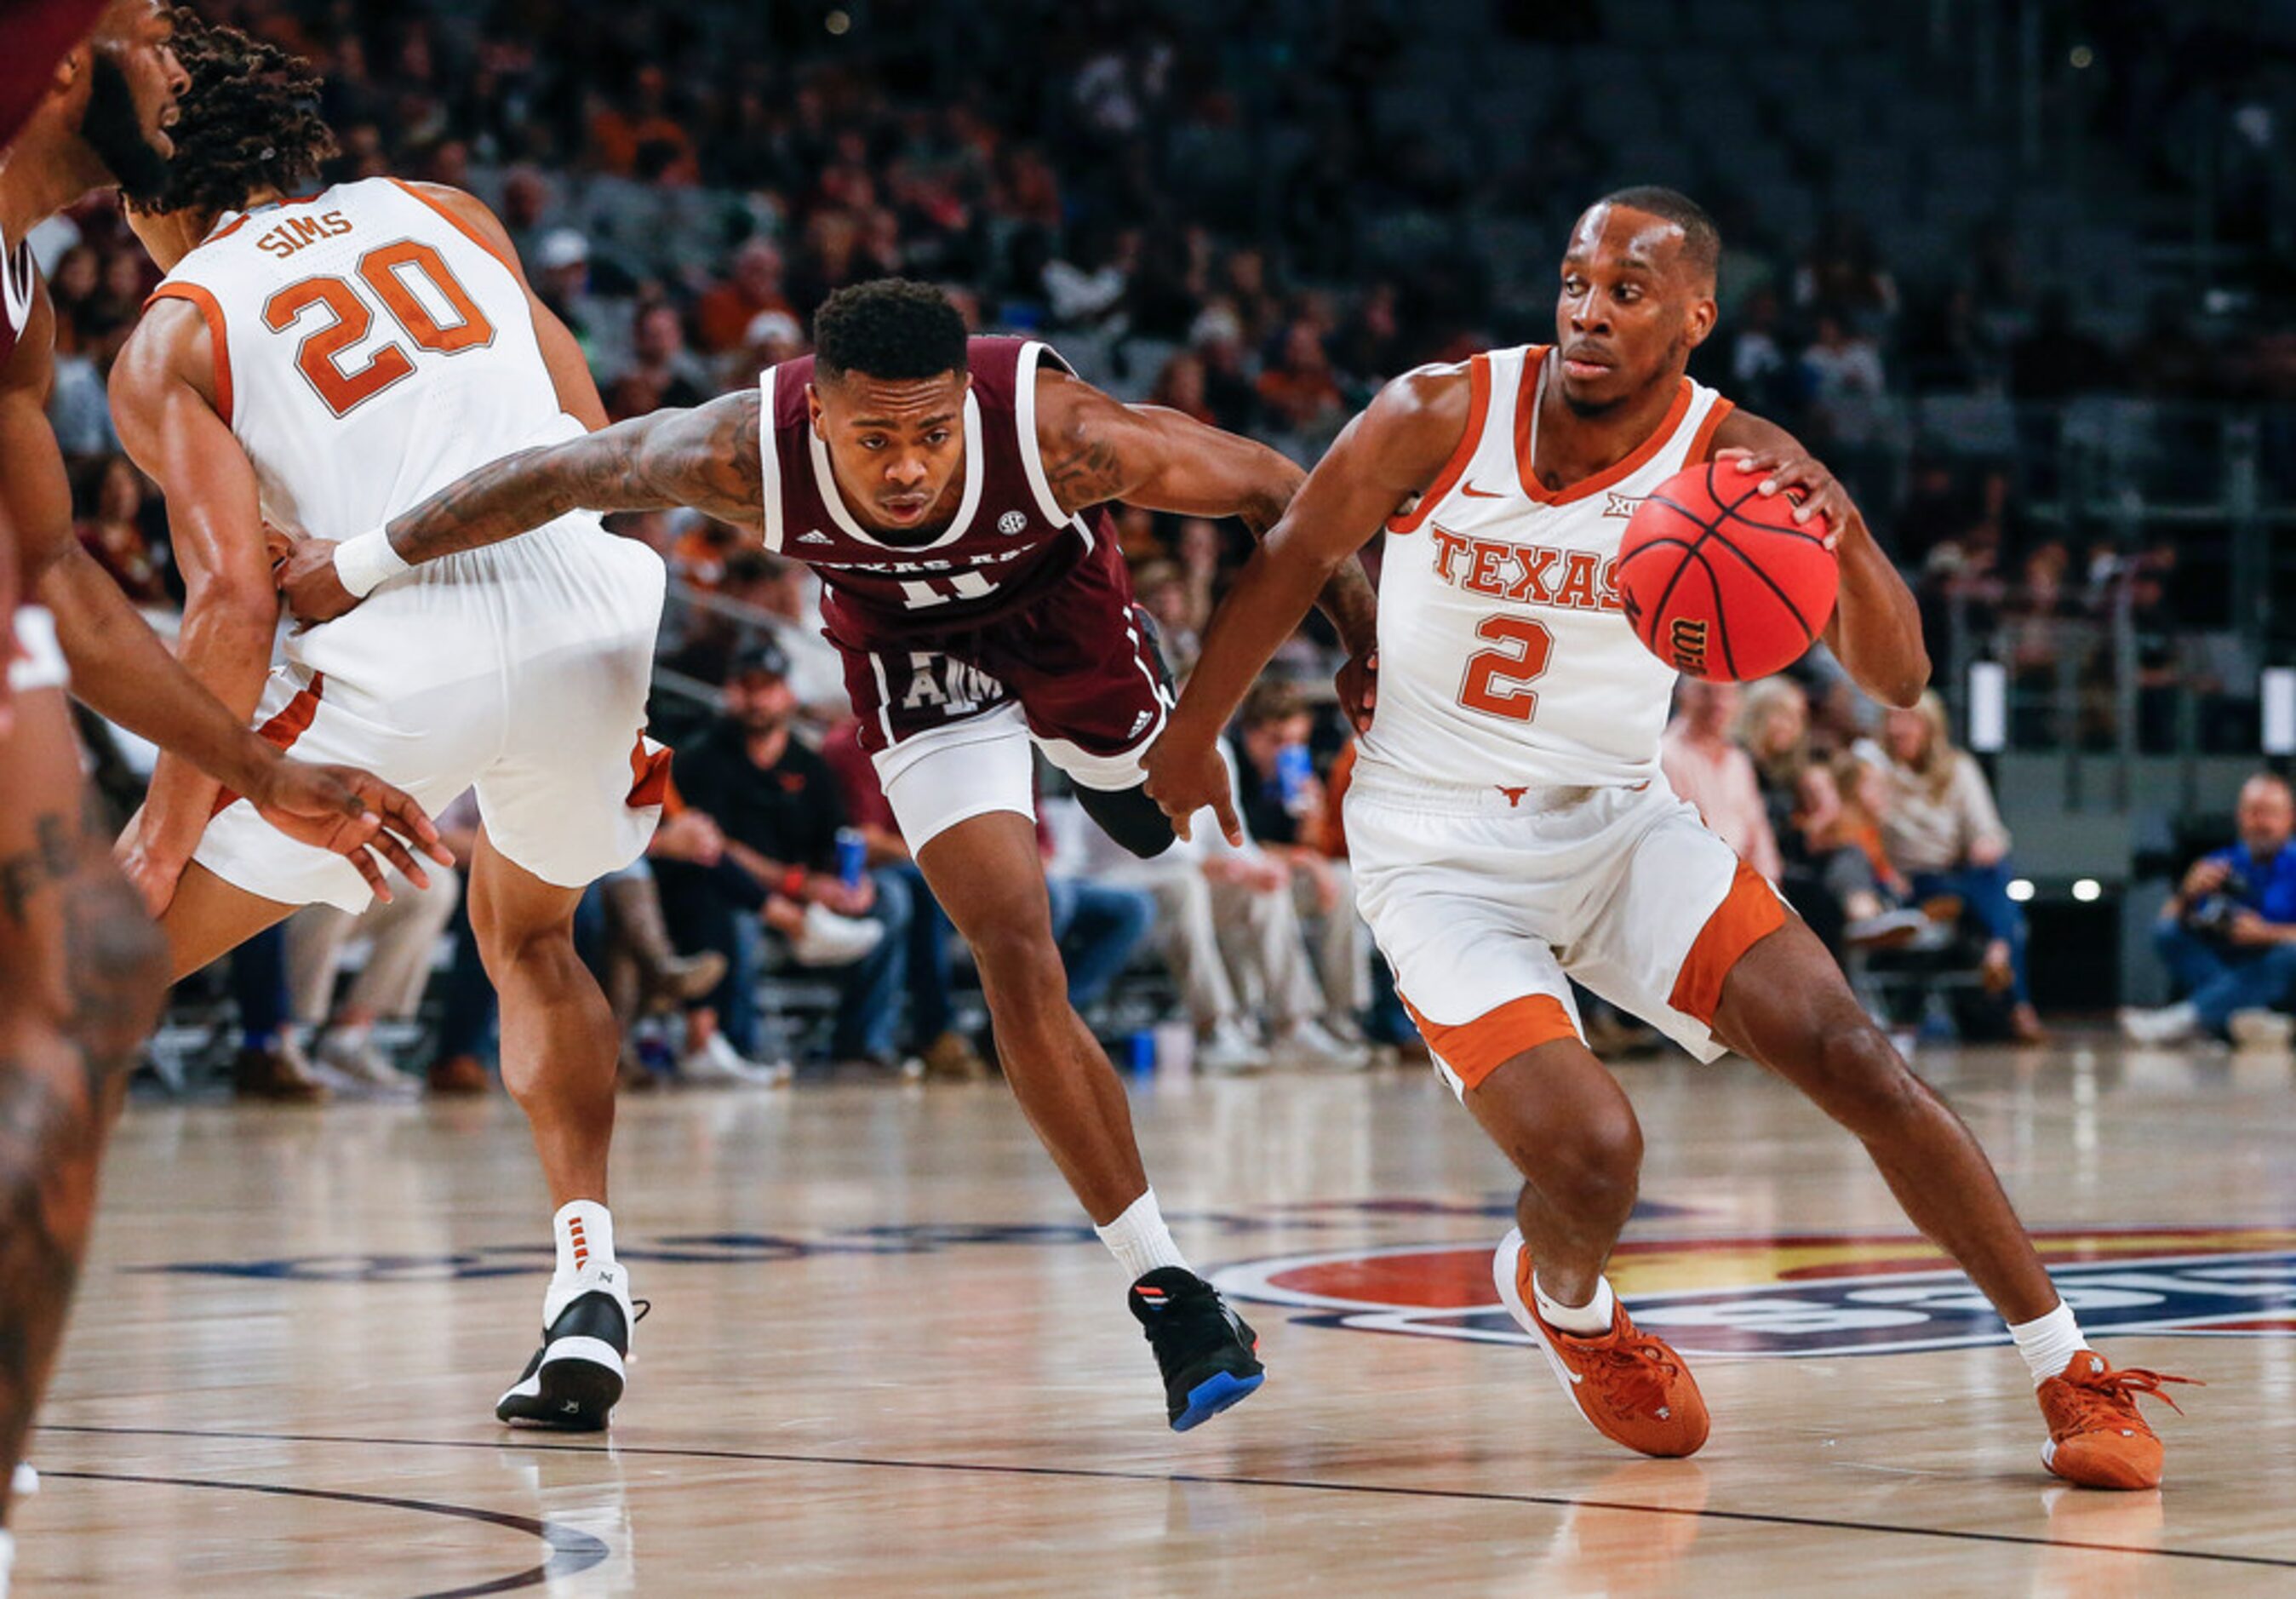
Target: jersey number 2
1494	679
383	271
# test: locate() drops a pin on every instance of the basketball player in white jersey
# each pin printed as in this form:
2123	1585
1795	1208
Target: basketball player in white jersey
1511	830
318	361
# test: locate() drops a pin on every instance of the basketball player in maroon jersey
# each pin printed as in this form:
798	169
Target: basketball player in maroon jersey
945	488
82	969
1636	295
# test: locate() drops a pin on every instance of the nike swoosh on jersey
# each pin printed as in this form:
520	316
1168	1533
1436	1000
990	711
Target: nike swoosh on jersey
1474	492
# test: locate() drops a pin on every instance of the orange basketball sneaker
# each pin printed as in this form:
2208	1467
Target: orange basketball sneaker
2096	1437
1634	1389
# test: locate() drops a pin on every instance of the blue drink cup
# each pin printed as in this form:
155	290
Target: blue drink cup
1295	769
852	856
1140	1052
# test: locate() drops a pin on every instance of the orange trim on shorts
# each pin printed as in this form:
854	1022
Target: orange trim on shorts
213	311
1479	407
649	776
1617	472
1702	442
1749	913
1475	1049
293	722
463	228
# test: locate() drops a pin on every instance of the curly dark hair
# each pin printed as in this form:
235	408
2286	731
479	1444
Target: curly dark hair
248	121
892	329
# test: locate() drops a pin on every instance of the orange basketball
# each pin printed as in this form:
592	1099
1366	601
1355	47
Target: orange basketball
1719	581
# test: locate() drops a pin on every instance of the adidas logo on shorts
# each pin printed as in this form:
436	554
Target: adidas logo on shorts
816	536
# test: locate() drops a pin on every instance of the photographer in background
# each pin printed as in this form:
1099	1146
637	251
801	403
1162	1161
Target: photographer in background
2228	934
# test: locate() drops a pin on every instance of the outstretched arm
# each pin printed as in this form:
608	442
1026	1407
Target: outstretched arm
1876	630
1391	453
706	457
1097	449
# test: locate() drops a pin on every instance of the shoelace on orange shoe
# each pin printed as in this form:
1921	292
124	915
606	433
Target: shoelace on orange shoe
2111	1394
1640	1371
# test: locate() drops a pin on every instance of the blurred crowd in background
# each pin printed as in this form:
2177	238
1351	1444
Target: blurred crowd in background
1193	205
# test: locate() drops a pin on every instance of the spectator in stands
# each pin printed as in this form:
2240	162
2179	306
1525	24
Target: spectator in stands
662	372
779	809
112	529
724	316
1842	374
1705	768
2228	933
1164	590
1843	273
1943	832
402	934
1830	883
1297	390
1180	387
638	966
1283	805
642	138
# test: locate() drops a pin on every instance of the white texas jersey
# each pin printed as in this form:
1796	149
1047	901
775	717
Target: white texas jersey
370	349
1503	657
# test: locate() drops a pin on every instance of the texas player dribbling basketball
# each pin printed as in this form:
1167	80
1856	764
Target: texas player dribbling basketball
1511	830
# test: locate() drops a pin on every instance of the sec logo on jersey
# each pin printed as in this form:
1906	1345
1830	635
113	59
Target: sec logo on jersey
1812	1293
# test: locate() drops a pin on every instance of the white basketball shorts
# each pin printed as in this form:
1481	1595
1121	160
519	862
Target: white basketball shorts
520	670
1486	900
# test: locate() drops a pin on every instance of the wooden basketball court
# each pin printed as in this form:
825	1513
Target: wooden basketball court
886	1357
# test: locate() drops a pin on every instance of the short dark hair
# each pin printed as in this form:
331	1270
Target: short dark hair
1701	241
248	121
892	328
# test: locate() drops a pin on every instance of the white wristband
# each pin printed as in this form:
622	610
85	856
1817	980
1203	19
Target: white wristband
364	562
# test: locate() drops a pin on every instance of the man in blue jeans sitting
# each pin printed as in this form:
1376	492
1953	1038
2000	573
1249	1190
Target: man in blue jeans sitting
2228	934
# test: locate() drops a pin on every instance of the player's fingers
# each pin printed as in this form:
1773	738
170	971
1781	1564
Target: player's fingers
1223	806
367	868
397	854
1182	829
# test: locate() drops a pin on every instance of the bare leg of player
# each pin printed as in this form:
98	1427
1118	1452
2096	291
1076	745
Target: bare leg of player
987	874
1786	1004
989	877
1568	1127
559	1050
81	977
208	918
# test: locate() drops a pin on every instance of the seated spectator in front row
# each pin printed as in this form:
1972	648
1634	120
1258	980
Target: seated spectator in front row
777	806
1284	807
2228	933
1704	768
1942	831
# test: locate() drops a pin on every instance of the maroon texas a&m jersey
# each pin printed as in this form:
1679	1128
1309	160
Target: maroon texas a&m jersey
1008	546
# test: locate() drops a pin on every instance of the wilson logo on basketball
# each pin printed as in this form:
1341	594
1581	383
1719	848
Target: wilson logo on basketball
1812	1294
1686	641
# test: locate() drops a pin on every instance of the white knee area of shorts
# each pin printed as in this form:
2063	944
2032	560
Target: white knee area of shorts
944	775
1110	774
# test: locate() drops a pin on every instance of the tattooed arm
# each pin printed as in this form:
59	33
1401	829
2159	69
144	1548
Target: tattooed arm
1096	450
706	457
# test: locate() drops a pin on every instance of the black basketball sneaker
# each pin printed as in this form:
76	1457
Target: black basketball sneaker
1209	1355
576	1377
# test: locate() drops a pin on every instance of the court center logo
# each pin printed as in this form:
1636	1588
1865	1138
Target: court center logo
1812	1294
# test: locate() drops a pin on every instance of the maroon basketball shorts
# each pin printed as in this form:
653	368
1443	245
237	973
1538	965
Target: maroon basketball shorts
950	718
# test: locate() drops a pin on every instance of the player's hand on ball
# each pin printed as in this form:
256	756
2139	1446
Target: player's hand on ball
1358	686
1787	471
354	814
1185	776
307	576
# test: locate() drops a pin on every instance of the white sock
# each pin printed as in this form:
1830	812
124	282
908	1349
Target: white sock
2047	1343
585	1232
7	1558
1139	1239
1589	1320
